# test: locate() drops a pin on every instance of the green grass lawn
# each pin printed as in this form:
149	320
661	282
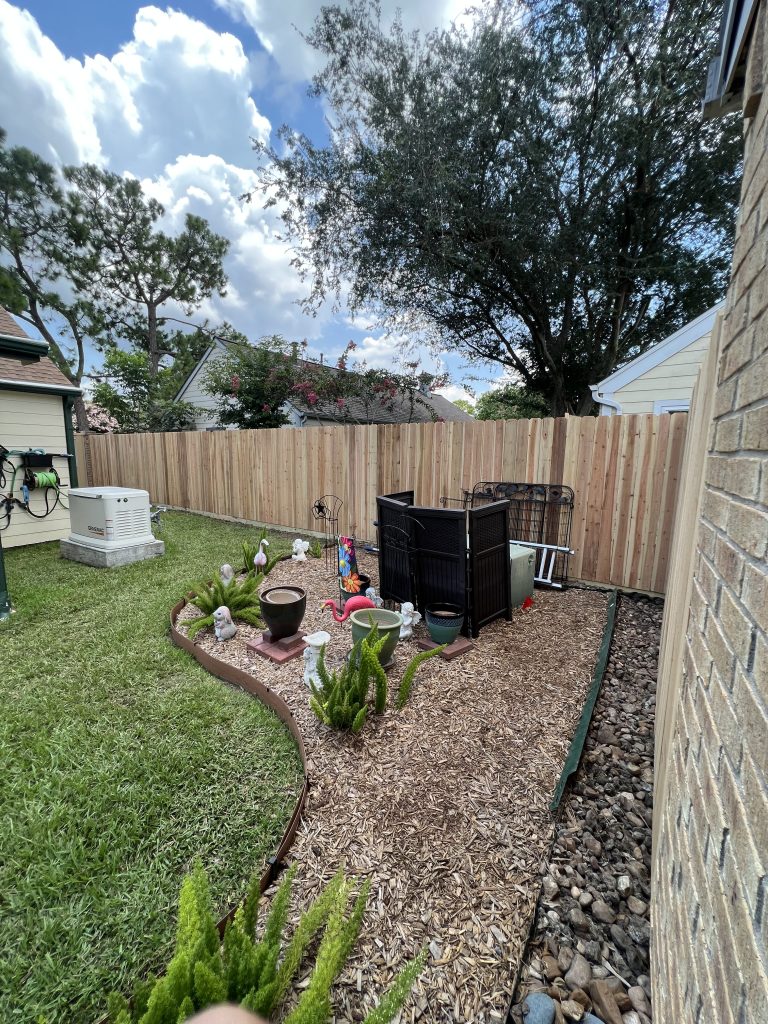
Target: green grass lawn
121	761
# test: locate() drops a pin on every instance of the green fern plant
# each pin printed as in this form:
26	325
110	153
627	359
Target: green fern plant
410	673
341	700
257	974
241	597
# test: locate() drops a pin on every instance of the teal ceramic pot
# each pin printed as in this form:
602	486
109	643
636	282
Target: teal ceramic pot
444	622
389	623
282	609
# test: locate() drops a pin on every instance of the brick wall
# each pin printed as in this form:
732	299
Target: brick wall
710	886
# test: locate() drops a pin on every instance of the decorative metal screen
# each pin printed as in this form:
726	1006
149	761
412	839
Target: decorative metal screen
440	543
539	514
489	570
395	535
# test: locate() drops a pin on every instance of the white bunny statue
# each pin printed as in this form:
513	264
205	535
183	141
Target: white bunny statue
373	596
223	625
226	573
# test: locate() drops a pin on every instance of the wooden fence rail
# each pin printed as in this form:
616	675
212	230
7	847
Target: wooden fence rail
624	471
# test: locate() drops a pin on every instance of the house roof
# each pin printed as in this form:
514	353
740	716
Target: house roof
424	408
23	361
657	354
9	327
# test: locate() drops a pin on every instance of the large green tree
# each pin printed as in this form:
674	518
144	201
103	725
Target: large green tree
539	189
42	256
83	259
147	273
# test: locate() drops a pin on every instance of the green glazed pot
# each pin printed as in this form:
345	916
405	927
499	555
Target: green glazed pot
387	621
444	622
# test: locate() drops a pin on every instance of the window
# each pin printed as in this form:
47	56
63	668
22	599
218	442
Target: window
670	405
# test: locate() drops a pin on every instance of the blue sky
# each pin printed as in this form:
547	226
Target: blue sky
173	95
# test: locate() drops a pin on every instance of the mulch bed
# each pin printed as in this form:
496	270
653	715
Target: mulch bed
443	805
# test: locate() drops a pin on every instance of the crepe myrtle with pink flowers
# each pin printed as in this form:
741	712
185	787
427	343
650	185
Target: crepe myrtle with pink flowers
254	384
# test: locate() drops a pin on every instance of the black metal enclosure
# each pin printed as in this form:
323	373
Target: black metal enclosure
459	556
540	514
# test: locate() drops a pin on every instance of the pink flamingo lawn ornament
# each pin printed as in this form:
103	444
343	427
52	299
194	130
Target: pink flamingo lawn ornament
261	559
353	604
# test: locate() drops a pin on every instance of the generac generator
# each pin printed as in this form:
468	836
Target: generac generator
109	517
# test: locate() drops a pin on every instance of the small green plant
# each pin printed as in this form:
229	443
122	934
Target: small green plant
257	974
242	599
410	673
341	700
315	549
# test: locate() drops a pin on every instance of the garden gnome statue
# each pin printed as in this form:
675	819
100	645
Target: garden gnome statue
226	573
300	549
314	642
223	625
373	596
410	618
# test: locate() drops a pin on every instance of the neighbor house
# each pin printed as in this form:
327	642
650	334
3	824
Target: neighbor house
404	408
662	378
35	413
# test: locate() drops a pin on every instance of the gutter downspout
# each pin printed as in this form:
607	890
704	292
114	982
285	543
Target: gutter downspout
604	401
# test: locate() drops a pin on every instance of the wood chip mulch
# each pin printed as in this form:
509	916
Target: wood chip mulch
444	805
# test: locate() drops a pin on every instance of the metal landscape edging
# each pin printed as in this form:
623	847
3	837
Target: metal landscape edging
243	680
572	762
577	743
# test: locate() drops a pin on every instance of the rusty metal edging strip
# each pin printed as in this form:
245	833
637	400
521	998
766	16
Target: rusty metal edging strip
580	735
242	679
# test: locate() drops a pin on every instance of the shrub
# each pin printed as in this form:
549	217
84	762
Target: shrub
241	598
315	549
341	700
258	974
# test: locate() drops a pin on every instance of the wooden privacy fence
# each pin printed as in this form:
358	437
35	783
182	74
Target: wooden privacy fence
624	471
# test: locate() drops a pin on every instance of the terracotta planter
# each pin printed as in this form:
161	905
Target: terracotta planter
444	622
282	609
387	621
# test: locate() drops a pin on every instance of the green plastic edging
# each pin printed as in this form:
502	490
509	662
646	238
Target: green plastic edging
577	743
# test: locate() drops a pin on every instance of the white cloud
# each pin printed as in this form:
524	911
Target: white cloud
279	26
173	106
454	392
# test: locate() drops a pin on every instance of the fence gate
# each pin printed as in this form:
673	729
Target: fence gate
489	584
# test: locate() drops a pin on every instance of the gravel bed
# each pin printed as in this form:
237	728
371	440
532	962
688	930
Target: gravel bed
590	948
444	805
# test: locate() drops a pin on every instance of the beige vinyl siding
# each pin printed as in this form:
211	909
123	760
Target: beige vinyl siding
670	381
29	420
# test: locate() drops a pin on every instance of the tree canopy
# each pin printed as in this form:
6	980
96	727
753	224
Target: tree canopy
538	189
83	259
252	384
510	402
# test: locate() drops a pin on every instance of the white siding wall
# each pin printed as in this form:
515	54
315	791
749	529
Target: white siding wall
205	404
671	381
29	420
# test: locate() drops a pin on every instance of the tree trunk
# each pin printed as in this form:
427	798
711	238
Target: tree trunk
154	355
81	416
